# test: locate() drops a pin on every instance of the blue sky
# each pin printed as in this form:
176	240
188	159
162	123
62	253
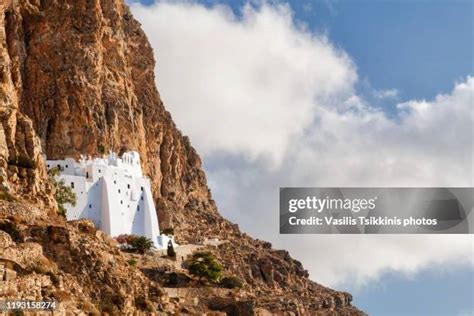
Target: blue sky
417	47
393	40
428	293
420	49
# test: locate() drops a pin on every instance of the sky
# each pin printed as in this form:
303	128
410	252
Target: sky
330	93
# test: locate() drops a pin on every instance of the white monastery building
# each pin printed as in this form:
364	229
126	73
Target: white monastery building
113	193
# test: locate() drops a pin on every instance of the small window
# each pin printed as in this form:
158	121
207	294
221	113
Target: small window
121	202
90	205
128	186
72	185
141	189
87	175
138	208
115	182
67	166
142	197
100	171
118	190
48	165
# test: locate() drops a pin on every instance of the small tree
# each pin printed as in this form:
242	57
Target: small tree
172	279
231	282
204	265
141	244
64	194
101	148
170	250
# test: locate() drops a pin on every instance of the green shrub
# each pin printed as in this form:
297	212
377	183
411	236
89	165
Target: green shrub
172	279
205	266
132	262
231	282
101	148
168	231
64	194
141	244
134	243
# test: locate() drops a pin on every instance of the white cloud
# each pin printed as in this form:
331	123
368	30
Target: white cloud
244	86
386	94
466	313
430	145
281	103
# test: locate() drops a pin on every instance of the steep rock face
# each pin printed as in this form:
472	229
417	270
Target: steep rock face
77	77
83	71
22	171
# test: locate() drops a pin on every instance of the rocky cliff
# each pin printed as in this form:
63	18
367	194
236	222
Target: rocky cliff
77	77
